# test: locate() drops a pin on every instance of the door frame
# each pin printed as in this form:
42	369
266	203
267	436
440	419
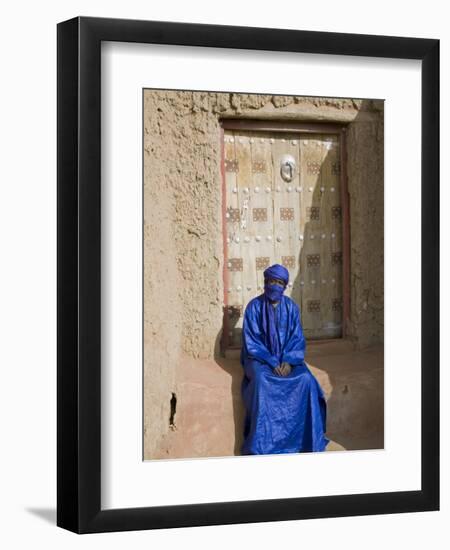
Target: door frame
301	127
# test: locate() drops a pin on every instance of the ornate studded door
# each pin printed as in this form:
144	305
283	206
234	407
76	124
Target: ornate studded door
283	205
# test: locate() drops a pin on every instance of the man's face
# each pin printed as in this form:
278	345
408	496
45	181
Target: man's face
276	281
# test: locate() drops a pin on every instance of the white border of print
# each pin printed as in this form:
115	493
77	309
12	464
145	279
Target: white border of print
127	480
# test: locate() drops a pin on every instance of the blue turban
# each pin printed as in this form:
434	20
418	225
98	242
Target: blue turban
277	271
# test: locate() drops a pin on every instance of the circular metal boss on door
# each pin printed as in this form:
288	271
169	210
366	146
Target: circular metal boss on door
288	167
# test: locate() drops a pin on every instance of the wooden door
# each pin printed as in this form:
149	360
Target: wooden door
283	205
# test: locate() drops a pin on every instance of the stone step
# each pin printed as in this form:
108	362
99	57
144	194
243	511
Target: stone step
333	446
210	413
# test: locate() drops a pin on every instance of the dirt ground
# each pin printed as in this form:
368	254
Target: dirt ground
208	415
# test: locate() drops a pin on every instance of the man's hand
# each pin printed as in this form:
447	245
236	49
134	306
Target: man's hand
286	369
283	370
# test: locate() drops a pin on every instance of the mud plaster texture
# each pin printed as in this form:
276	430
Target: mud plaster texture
183	241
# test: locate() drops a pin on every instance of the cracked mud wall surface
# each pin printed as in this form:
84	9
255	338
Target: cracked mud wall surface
183	241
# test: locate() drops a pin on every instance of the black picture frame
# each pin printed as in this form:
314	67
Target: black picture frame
79	275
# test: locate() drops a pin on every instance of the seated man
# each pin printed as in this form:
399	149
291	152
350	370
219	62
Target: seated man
285	405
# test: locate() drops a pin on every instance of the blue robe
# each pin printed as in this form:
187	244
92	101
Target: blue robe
284	414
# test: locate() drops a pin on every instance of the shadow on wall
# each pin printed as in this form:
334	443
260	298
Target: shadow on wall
234	369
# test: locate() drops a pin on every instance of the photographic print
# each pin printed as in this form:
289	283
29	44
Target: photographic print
263	277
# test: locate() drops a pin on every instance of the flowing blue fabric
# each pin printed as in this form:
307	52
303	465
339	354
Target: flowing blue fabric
269	324
284	414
